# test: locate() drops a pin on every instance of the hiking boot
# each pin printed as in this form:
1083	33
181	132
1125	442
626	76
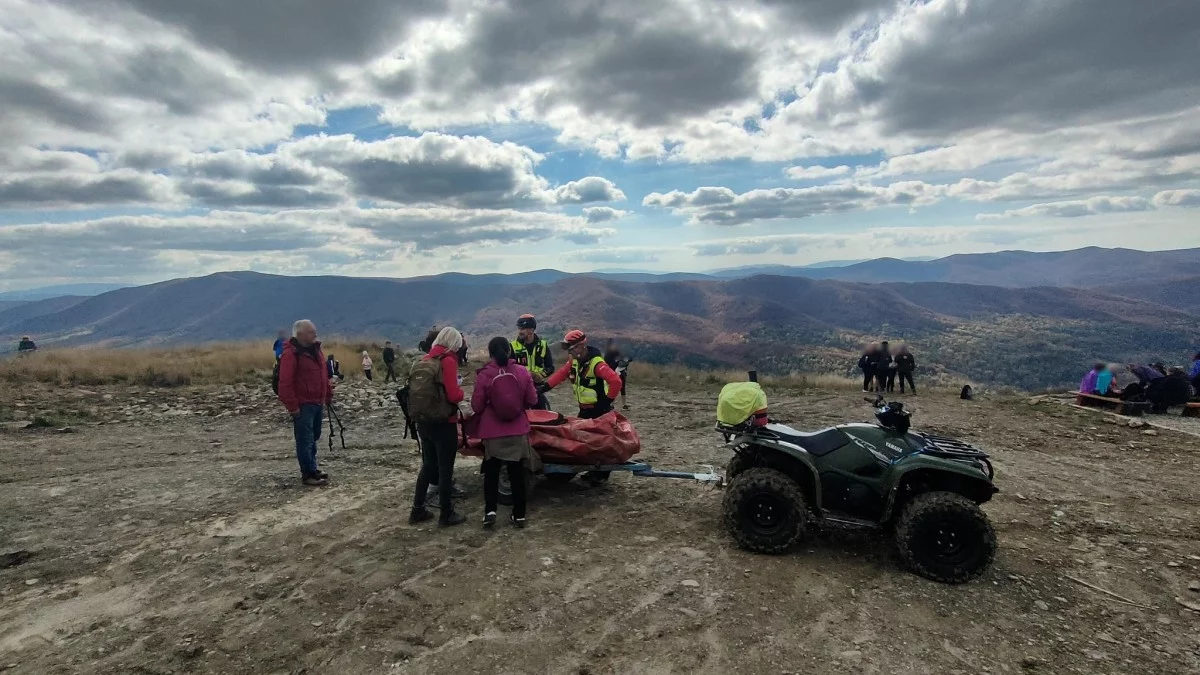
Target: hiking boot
518	523
314	481
322	475
489	520
452	519
419	516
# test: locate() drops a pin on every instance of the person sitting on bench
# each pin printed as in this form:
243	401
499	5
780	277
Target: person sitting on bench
1088	384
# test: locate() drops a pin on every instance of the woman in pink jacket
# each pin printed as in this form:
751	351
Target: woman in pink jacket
503	427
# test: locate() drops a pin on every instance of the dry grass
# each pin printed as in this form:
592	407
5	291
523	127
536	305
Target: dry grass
225	363
216	363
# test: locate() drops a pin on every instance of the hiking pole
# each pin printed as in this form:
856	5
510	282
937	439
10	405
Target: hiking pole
341	429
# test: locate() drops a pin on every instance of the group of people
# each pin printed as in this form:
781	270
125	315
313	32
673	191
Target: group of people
389	364
881	370
515	378
1157	384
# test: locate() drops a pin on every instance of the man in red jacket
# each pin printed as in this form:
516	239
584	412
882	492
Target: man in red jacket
593	382
305	389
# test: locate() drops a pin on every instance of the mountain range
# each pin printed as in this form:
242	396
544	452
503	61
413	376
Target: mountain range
1135	308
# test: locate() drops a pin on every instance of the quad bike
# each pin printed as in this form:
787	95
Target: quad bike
925	489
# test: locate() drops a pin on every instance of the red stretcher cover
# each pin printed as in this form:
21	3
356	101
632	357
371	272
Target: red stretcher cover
609	439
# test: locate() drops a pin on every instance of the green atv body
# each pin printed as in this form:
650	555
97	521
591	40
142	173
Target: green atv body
926	489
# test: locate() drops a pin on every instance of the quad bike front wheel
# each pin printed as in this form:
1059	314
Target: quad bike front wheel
765	510
945	537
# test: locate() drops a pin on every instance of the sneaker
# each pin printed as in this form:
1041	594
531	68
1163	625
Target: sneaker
315	481
518	523
322	475
489	520
452	519
419	516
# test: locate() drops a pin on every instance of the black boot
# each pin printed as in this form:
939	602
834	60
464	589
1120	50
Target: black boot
419	516
451	519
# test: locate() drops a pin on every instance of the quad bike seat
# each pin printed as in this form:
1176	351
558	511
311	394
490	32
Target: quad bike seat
815	443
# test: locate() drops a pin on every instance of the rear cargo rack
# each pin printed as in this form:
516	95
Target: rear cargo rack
952	448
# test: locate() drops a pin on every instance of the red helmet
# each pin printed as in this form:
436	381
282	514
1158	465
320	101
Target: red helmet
574	337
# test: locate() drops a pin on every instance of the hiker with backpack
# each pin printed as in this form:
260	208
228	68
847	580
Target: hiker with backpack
304	388
434	393
504	390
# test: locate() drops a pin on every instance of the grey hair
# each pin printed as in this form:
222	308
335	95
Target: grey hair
302	323
449	338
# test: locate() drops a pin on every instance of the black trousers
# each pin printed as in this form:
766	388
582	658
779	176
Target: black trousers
491	485
390	376
367	373
891	380
439	448
868	380
598	410
881	382
911	384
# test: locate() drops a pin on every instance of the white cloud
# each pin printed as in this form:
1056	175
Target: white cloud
1177	198
816	172
587	190
1076	208
721	206
603	214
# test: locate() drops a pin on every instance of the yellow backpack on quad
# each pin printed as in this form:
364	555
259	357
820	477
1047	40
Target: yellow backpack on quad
739	401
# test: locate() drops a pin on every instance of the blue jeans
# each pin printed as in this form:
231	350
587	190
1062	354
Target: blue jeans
307	428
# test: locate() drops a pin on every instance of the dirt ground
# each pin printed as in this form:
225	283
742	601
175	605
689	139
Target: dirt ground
169	534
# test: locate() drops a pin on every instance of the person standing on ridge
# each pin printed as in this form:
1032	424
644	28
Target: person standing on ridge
616	361
885	369
533	352
279	342
367	365
389	362
867	363
427	343
595	385
905	366
304	390
26	346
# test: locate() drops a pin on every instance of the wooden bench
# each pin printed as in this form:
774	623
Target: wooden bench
1191	409
1115	404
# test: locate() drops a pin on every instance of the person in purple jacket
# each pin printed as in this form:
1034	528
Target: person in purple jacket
1088	384
503	427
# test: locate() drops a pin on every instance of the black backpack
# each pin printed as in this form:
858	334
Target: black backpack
275	373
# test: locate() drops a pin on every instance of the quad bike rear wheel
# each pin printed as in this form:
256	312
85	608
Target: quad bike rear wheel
765	510
945	537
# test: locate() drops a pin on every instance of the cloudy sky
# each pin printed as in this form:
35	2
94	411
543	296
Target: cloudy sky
148	139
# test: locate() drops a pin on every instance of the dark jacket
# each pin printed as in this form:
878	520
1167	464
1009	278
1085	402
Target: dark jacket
905	363
302	376
868	363
389	355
